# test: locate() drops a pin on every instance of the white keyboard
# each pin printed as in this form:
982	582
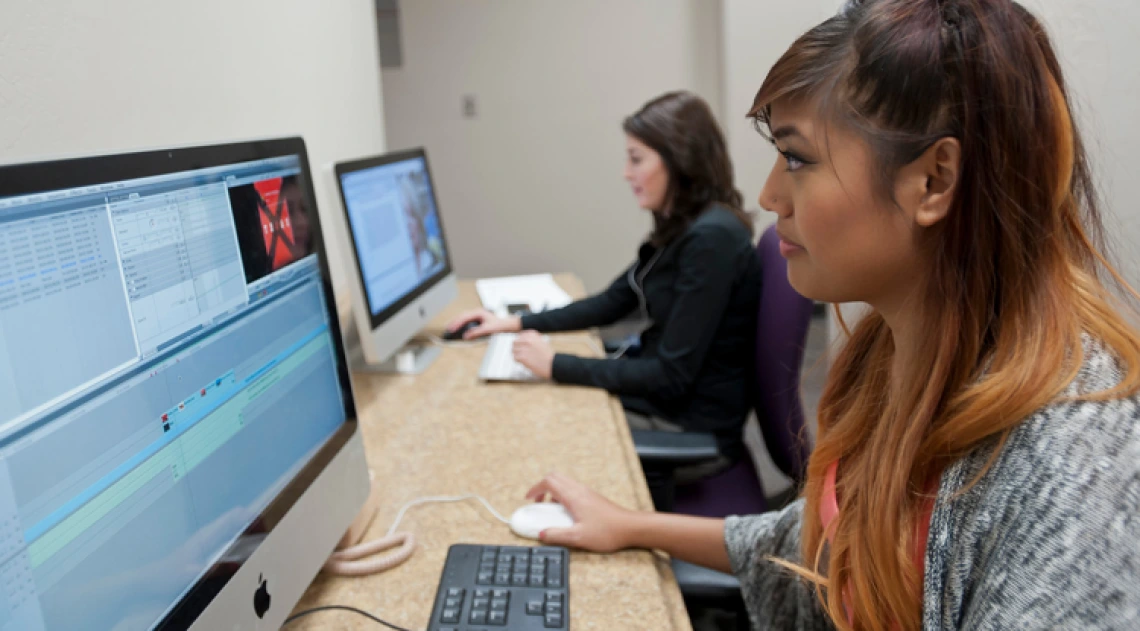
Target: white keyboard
499	362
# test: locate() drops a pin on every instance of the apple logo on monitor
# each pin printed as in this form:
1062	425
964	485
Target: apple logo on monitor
261	597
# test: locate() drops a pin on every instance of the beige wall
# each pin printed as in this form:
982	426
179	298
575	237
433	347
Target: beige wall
102	77
534	182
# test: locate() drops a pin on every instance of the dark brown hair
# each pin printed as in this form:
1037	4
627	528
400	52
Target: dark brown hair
681	128
1016	274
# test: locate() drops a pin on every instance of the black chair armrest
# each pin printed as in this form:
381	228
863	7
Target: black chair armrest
705	584
674	449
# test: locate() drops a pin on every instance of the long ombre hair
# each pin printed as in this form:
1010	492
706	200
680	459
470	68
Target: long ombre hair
1016	281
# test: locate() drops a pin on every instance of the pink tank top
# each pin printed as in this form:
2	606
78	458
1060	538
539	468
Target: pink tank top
829	510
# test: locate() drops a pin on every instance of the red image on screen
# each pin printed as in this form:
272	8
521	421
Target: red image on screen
276	223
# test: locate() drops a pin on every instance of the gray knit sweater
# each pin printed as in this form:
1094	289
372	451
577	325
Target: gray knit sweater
1048	539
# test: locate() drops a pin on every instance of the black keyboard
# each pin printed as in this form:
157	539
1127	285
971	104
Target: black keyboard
502	588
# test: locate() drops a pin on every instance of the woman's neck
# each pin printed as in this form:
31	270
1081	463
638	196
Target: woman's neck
904	319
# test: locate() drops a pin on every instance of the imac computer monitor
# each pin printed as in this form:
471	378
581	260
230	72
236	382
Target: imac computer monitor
178	442
402	263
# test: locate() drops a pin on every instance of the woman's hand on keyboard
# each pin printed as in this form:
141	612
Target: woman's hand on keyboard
533	350
488	324
599	524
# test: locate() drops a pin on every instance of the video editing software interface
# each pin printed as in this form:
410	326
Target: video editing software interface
166	366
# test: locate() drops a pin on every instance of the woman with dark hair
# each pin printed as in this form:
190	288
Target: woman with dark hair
978	456
695	282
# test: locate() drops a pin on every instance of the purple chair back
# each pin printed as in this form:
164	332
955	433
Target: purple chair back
781	334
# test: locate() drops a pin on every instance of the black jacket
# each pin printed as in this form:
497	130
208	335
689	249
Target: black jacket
695	366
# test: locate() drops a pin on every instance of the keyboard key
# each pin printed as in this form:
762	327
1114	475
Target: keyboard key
502	579
489	553
482	593
502	594
455	592
534	608
553	621
480	603
553	608
449	616
477	617
498	618
537	581
453	603
555	582
519	580
499	604
553	597
484	578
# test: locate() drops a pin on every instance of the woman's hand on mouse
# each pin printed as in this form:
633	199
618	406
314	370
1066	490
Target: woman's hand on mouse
599	524
532	350
489	324
602	526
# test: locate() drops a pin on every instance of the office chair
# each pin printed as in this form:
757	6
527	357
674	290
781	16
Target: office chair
781	332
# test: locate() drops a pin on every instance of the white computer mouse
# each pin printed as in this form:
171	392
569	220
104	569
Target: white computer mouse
532	519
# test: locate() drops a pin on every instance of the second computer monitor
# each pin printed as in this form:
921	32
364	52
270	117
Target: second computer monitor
403	268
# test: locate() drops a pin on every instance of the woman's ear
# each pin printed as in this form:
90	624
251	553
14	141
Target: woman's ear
941	166
925	188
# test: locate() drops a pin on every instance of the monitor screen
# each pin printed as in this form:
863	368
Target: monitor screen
166	367
395	228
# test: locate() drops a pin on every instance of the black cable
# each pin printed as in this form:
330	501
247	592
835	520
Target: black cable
314	610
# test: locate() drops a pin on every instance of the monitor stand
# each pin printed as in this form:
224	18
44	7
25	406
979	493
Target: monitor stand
412	359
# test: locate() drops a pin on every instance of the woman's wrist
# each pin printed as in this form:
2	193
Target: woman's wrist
697	540
515	322
638	529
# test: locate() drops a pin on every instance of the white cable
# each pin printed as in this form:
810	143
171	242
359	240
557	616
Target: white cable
443	498
620	352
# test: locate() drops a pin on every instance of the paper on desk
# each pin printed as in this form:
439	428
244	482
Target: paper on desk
539	291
